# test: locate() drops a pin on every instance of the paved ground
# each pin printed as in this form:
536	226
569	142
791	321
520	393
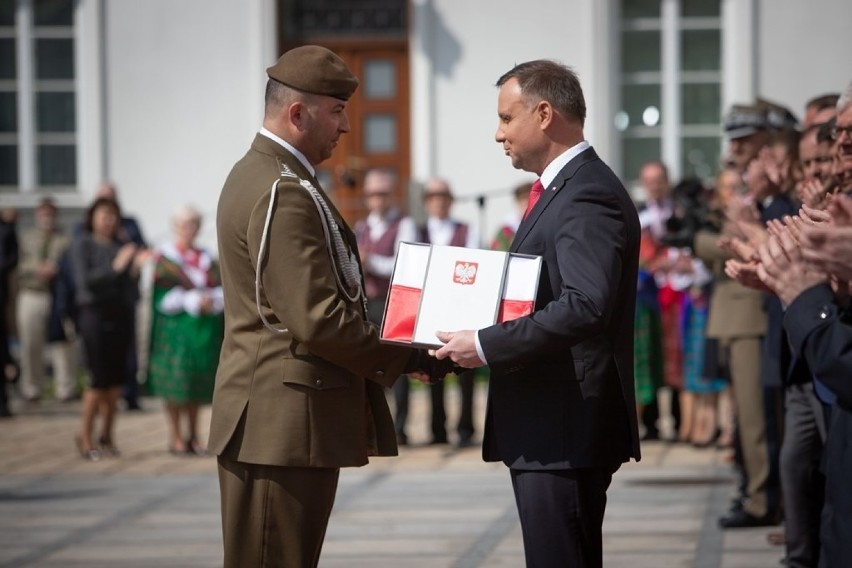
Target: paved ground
431	507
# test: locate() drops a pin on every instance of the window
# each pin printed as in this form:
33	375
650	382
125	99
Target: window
670	86
38	118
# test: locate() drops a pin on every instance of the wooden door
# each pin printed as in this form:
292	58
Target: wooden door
379	120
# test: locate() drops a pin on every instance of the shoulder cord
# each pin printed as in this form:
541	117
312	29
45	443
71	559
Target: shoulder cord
337	252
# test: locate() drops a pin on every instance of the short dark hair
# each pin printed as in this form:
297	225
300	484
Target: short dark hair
550	81
823	101
826	131
46	202
276	94
97	204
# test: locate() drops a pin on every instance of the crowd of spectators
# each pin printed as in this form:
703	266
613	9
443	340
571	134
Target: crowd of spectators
74	295
744	296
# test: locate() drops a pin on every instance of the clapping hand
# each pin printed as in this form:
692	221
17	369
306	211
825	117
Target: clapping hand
123	257
784	269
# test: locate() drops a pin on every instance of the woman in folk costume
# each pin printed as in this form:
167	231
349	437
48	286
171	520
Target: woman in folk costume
187	328
647	334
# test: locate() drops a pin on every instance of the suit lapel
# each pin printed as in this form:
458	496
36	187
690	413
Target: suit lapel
562	180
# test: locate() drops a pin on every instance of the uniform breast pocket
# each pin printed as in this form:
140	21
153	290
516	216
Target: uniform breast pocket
307	374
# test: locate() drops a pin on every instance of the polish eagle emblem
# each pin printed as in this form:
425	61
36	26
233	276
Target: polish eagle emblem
465	272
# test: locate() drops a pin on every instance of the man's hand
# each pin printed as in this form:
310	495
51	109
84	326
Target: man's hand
840	209
429	370
746	273
813	216
783	269
812	193
422	377
741	208
829	249
46	271
739	248
460	346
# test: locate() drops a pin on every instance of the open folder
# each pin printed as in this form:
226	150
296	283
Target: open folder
443	288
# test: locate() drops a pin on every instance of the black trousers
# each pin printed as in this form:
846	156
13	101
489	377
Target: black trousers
561	513
439	412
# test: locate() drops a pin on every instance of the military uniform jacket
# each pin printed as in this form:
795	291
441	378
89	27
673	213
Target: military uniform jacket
736	312
311	397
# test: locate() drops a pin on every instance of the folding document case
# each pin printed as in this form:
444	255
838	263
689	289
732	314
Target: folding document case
444	288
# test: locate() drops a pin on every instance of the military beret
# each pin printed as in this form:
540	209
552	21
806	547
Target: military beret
744	120
314	69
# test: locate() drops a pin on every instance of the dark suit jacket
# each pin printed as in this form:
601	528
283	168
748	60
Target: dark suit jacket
821	334
311	397
776	360
561	393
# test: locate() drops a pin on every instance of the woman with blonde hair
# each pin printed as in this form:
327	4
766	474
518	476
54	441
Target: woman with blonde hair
187	328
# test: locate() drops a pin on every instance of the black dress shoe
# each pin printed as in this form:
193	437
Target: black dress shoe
741	519
464	443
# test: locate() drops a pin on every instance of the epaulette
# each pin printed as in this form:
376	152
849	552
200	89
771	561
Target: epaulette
286	171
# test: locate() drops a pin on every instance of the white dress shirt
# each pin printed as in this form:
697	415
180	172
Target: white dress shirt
289	147
547	178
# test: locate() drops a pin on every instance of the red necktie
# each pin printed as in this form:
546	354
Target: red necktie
535	192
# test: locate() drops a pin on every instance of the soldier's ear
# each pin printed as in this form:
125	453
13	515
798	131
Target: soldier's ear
297	113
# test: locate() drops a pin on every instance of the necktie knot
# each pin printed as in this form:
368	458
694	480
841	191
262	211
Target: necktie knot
535	193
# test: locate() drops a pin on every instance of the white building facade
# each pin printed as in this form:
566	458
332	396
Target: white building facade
162	97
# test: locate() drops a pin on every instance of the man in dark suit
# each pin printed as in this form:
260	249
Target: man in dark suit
561	412
299	385
818	325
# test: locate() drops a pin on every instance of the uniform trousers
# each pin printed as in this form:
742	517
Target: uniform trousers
561	514
274	516
33	315
744	361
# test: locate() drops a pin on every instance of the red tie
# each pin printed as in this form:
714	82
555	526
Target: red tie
535	192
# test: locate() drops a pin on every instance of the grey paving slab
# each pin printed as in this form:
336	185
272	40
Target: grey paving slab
431	507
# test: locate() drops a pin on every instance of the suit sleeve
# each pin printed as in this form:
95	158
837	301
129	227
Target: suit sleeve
300	287
590	236
819	335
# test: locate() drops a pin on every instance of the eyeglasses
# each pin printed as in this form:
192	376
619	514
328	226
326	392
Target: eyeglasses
838	130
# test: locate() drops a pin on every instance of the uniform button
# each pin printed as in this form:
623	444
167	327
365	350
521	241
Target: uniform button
823	312
318	382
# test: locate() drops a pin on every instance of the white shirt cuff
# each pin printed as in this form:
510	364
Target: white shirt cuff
479	347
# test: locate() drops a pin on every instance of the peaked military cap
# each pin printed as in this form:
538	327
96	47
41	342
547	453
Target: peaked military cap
744	120
778	117
314	69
